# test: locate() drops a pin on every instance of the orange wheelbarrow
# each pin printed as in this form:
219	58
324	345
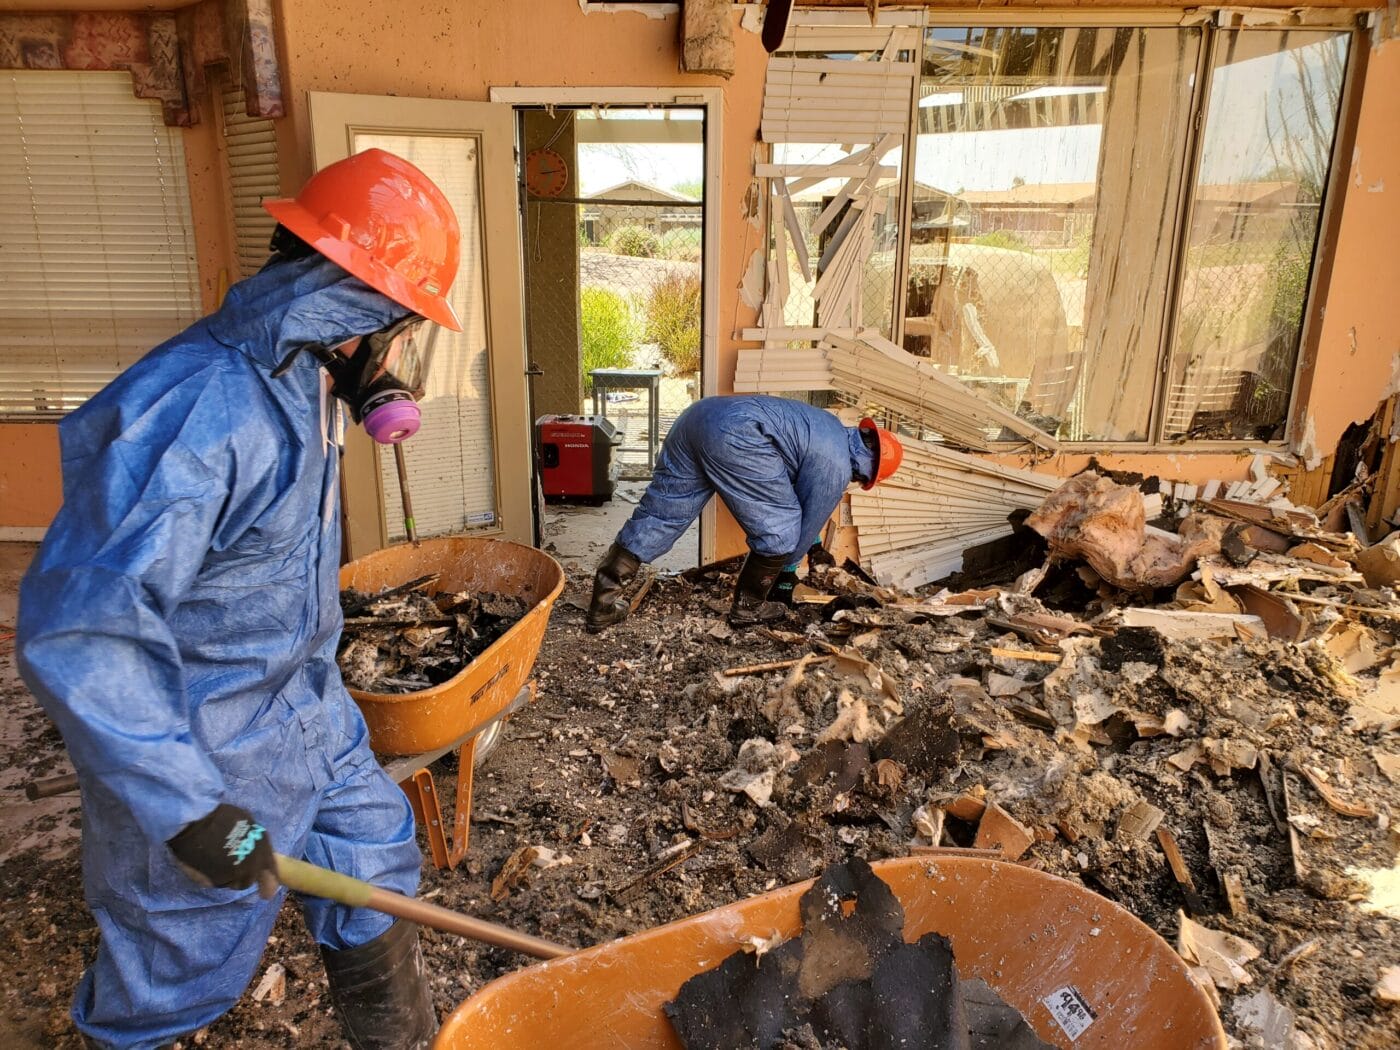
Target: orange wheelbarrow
1084	973
473	706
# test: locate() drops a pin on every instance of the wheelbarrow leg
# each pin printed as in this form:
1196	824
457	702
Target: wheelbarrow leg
462	811
422	796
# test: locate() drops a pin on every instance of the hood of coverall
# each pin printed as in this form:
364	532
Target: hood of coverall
294	303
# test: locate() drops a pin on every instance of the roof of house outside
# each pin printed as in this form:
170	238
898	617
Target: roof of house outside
632	187
1030	193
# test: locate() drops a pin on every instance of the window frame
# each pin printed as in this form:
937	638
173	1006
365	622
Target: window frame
1214	24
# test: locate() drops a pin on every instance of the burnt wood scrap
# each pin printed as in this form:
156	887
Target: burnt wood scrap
402	640
850	980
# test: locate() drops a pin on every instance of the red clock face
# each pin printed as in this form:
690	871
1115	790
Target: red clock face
546	173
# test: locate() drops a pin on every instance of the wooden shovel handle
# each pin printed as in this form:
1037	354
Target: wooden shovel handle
316	881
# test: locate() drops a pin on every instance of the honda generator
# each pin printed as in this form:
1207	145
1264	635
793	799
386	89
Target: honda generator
576	457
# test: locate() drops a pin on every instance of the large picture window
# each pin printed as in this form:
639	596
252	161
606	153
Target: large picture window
1109	231
1090	214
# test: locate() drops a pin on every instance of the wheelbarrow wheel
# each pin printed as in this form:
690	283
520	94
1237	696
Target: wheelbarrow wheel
487	741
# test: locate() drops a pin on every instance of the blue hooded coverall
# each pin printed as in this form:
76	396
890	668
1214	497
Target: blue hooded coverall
781	467
179	625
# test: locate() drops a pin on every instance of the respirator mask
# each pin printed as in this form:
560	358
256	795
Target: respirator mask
383	380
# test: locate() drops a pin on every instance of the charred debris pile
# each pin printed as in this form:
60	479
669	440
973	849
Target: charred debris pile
407	638
1188	707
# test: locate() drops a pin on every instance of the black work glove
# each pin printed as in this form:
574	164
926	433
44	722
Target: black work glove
783	587
227	849
819	557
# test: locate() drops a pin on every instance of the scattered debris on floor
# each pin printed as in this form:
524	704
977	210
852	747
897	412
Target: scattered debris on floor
1210	747
403	639
1217	755
849	981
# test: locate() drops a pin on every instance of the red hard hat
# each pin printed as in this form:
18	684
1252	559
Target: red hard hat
889	453
383	220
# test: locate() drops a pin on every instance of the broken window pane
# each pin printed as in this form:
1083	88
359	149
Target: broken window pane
1037	149
1257	201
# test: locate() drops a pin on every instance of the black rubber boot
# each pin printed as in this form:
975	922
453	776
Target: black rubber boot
614	573
756	579
381	993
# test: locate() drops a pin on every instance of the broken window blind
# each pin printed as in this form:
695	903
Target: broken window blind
250	149
836	111
452	459
97	258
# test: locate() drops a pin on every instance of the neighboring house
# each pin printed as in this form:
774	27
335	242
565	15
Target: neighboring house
661	212
1046	215
1247	211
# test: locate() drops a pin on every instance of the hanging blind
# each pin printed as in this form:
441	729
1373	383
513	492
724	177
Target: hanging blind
97	258
840	84
250	145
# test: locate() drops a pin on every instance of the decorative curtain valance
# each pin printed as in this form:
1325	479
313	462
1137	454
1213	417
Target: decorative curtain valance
166	52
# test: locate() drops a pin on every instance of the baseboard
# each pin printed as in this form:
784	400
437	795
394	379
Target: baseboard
21	534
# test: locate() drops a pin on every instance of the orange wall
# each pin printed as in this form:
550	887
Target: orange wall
29	475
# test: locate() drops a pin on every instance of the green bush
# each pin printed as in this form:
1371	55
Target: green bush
673	321
1002	239
634	240
609	331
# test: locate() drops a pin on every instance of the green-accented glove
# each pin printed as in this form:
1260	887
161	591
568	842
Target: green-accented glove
227	849
819	557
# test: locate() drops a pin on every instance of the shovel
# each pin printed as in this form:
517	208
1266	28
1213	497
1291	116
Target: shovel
316	881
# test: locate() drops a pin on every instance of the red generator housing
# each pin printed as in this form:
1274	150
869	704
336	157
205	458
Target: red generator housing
575	457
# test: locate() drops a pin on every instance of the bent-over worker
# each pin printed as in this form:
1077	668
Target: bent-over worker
780	466
180	622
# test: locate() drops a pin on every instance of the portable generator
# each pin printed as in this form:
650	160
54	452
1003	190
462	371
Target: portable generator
576	457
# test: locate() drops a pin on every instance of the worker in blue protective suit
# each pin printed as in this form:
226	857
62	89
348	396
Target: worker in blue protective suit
780	466
180	623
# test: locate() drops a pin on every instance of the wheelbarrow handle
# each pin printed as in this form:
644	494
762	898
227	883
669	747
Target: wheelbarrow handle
316	881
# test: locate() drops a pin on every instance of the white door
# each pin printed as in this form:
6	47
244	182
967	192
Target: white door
469	465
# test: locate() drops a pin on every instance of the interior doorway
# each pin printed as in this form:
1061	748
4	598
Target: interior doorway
614	250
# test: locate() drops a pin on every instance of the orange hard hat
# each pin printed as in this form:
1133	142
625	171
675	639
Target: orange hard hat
889	453
383	220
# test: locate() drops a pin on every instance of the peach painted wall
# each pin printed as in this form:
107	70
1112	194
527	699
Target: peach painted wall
30	489
461	51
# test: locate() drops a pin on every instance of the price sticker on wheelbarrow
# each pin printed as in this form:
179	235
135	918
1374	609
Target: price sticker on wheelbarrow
1070	1010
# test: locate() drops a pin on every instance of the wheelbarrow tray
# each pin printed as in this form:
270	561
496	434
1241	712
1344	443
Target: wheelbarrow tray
1035	938
417	722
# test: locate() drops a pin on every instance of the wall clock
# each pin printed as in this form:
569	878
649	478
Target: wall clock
546	173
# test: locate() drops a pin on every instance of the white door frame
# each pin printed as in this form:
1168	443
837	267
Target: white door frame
711	99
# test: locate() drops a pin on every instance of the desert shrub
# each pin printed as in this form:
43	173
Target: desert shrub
609	331
634	240
673	321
